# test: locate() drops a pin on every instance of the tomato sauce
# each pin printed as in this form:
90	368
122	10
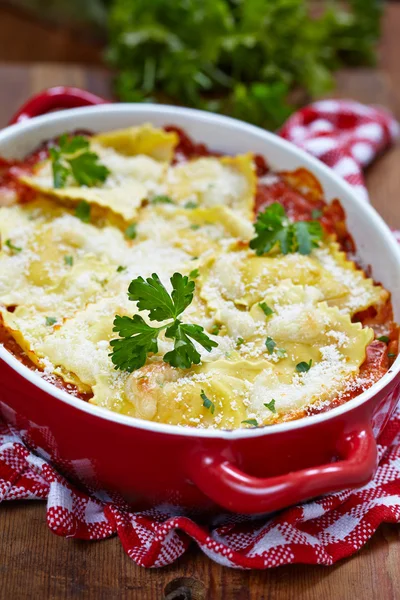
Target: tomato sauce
301	195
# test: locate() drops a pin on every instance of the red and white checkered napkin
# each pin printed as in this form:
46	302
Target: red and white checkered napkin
346	135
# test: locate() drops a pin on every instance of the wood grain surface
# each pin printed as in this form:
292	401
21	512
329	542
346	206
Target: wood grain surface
36	565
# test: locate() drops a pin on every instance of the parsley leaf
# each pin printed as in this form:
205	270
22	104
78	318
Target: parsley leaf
307	235
384	338
239	342
274	229
184	353
82	211
194	274
130	231
207	403
72	156
270	344
252	422
139	338
266	309
233	56
121	268
303	367
270	406
69	260
14	249
50	321
161	199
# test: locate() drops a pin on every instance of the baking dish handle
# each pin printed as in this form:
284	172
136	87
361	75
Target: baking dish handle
234	490
55	98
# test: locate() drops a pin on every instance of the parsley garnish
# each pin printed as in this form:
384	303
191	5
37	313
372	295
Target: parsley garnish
252	422
72	156
270	406
69	260
14	249
121	268
384	338
207	403
130	231
216	329
161	199
273	228
194	274
191	204
266	309
316	213
239	342
50	321
138	339
303	367
270	344
82	211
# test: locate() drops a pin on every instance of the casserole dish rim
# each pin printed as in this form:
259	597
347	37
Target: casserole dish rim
311	163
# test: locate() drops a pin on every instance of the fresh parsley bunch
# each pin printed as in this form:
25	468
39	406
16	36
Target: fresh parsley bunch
245	58
273	228
138	339
72	156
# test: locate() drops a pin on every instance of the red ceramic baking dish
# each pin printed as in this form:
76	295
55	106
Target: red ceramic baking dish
248	470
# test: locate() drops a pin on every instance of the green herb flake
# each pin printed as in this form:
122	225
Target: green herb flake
216	329
239	342
303	367
316	213
194	274
50	321
161	199
266	309
14	249
121	268
281	353
252	422
384	338
392	355
195	227
207	403
69	260
130	231
191	204
270	406
82	211
270	344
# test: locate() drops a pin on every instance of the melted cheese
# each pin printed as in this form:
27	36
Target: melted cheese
209	182
60	292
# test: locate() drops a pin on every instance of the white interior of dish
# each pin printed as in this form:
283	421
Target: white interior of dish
376	245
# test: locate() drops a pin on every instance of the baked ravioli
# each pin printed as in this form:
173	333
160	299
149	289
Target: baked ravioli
151	277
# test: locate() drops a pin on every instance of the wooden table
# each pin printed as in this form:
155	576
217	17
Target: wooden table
36	565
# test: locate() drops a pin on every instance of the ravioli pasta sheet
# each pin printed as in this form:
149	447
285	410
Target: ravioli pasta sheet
283	324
